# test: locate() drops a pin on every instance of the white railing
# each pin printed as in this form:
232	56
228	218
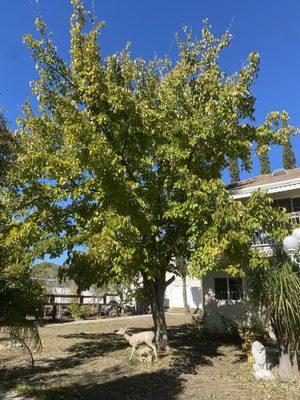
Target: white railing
295	217
262	239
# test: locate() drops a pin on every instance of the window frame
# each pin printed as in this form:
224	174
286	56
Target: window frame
290	200
230	294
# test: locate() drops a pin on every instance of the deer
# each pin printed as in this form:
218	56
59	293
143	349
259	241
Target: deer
145	353
137	339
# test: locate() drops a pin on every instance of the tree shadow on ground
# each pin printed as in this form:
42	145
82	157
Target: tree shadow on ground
163	382
160	385
94	346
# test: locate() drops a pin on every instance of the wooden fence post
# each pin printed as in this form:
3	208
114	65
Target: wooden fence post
53	312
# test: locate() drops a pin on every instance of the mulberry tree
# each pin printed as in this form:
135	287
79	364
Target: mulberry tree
124	159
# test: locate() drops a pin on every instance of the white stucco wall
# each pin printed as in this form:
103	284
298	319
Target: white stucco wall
174	297
231	309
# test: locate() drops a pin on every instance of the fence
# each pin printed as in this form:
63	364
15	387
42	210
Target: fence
57	301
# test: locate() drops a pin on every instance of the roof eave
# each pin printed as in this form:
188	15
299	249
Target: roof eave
276	187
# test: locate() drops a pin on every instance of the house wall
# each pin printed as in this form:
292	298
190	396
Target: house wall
174	297
230	309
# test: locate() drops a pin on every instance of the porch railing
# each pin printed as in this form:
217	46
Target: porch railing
262	239
295	218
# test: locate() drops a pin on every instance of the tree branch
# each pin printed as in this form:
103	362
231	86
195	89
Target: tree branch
169	281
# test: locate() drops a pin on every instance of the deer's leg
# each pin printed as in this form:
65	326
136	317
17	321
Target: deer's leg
153	348
132	353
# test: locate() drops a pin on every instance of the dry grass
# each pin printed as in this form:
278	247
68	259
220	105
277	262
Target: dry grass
88	361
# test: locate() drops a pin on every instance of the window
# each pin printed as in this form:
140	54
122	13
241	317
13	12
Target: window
235	288
283	203
228	288
221	290
296	204
290	204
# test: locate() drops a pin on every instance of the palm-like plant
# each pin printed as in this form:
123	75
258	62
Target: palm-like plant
20	310
20	296
276	290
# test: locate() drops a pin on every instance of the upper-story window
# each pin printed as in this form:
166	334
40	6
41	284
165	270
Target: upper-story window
290	204
296	204
228	288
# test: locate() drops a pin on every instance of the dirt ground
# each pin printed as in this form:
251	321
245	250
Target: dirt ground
88	361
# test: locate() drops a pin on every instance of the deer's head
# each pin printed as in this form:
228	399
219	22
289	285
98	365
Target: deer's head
121	331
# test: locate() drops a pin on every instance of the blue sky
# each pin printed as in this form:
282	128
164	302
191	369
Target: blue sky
270	27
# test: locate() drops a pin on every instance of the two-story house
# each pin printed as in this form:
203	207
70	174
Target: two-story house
219	293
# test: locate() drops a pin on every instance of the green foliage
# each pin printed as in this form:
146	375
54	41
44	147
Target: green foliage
198	328
234	170
48	275
142	295
7	147
39	391
124	157
79	311
45	270
264	163
21	301
20	296
252	326
224	241
276	290
229	328
275	130
288	156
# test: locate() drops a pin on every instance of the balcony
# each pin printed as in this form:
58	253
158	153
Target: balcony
263	240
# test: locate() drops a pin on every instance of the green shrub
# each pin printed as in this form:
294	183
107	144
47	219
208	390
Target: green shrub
230	329
198	328
251	326
79	311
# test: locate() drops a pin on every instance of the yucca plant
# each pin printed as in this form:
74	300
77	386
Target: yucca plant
276	290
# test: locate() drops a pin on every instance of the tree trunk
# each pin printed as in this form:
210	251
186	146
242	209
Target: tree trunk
288	363
184	295
122	301
158	288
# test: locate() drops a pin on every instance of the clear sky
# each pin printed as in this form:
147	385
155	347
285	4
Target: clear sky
270	27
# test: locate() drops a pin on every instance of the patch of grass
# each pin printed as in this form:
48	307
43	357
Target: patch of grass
29	390
38	392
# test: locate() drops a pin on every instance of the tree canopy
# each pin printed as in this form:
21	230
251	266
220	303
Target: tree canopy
45	270
7	147
125	158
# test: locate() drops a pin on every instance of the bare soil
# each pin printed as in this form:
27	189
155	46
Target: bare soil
88	361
